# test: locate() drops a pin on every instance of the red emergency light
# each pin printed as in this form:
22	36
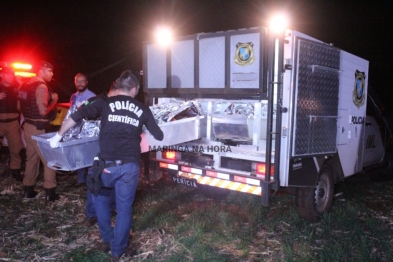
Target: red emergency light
25	74
24	66
22	69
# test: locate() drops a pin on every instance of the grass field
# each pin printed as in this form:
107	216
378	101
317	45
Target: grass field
177	223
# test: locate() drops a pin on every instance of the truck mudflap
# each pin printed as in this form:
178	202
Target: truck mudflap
191	176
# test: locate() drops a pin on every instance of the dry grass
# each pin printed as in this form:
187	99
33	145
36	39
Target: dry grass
176	223
36	230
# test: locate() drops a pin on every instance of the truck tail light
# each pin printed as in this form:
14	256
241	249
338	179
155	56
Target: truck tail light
170	155
260	168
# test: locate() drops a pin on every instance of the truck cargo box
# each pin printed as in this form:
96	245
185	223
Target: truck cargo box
175	132
77	154
70	155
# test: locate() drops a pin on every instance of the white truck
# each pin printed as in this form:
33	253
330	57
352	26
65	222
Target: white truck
275	110
307	129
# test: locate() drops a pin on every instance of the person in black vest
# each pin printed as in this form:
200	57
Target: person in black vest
122	119
9	119
37	102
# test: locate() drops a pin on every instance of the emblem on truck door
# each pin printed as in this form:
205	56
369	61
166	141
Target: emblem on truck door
244	54
358	92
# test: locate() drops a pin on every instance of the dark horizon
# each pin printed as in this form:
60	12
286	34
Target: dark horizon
103	38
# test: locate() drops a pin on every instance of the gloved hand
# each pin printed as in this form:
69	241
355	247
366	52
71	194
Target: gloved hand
54	141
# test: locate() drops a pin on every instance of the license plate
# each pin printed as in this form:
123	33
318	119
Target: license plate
184	181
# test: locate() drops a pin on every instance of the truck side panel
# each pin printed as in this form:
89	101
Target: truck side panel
352	112
289	84
311	96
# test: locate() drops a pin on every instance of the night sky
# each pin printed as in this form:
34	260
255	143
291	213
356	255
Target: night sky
102	38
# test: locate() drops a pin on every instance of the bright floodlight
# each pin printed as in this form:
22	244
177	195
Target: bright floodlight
164	36
278	23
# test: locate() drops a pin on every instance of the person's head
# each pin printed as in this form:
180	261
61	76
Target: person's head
127	83
44	70
7	76
80	82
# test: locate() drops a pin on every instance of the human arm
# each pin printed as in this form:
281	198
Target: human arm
66	126
76	117
2	95
153	128
72	99
42	94
54	141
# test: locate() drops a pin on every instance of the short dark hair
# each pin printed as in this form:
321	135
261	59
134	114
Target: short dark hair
126	81
41	64
80	74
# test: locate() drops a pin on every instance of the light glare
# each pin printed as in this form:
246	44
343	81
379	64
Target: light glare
21	66
164	36
25	74
278	23
170	155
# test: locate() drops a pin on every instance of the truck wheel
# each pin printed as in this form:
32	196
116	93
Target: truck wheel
389	161
213	192
384	174
312	203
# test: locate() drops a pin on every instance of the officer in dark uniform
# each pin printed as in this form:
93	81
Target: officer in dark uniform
9	119
122	119
37	102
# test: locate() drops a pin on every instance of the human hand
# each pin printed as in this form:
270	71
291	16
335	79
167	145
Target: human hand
2	95
54	141
55	97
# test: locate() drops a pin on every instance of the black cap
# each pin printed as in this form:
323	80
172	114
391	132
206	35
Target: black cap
7	70
44	64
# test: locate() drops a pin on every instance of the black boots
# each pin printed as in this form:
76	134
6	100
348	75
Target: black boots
16	175
51	194
29	192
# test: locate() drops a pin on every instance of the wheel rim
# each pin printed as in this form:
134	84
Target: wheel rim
322	193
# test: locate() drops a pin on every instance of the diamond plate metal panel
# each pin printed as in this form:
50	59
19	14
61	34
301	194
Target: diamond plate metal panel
316	105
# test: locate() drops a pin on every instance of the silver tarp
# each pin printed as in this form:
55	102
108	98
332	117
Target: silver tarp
175	110
163	113
85	128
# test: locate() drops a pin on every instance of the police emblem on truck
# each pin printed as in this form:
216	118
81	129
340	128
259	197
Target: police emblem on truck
244	54
359	93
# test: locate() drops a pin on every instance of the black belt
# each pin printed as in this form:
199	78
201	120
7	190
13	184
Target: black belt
110	163
8	120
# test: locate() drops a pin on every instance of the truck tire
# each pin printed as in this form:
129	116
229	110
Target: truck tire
312	203
213	192
384	174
